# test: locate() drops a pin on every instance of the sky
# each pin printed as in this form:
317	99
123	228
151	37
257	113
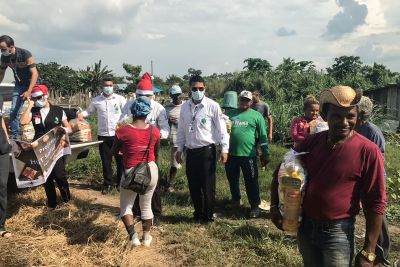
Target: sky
213	36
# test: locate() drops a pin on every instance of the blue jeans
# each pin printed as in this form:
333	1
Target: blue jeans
327	244
250	174
16	105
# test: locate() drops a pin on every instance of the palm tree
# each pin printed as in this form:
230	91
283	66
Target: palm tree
90	79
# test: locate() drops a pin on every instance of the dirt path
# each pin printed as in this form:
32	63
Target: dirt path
143	256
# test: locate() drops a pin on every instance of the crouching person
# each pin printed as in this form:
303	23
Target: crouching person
45	117
138	142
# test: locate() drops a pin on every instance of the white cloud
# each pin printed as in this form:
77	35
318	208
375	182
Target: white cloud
8	24
206	34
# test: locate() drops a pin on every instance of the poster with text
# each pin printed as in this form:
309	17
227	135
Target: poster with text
33	162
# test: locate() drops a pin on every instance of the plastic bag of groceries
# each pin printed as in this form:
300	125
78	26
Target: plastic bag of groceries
318	125
292	181
27	132
81	131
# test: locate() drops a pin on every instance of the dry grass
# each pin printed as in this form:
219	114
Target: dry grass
82	233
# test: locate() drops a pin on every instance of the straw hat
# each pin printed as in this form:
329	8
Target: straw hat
341	96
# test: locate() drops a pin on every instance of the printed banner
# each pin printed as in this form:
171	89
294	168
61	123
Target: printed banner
33	162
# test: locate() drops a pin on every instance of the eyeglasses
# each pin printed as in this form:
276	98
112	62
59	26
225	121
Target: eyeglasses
194	89
37	98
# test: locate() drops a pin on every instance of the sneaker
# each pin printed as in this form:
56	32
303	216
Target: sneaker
254	213
147	242
135	241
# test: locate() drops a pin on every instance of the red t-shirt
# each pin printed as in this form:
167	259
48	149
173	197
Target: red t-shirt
338	178
134	144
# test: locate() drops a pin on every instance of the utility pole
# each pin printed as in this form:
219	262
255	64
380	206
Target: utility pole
151	63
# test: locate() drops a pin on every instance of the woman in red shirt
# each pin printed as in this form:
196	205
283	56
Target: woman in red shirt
300	127
133	141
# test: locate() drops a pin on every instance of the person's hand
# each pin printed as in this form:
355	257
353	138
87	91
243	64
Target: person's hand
31	103
224	157
360	261
264	160
80	116
26	95
173	121
178	157
276	217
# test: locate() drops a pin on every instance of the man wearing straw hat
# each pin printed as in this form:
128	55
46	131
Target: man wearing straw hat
344	169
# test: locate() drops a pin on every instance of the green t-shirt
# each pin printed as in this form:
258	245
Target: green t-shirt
245	126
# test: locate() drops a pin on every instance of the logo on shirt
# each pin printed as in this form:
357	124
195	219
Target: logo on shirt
203	121
56	120
237	123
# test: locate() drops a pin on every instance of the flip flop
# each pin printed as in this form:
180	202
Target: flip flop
5	234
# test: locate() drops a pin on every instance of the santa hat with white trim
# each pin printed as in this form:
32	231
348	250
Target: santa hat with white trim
39	90
144	86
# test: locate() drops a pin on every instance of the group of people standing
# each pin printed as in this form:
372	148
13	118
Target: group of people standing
344	164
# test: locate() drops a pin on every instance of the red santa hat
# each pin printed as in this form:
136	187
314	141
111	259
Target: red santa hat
145	87
39	90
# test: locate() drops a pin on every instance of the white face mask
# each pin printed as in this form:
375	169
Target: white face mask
40	103
5	53
197	95
108	90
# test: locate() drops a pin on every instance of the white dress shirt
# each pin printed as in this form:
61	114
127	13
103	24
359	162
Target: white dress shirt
157	116
108	111
201	125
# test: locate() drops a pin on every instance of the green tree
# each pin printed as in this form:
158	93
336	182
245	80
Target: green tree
345	67
59	78
90	79
257	65
133	75
191	72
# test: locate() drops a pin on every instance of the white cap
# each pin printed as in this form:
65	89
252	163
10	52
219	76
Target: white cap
246	94
175	90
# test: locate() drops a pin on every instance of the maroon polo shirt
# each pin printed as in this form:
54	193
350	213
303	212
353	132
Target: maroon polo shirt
339	178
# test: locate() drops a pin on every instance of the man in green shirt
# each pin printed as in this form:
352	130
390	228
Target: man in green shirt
246	125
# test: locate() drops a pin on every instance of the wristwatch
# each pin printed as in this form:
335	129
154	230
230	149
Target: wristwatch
368	255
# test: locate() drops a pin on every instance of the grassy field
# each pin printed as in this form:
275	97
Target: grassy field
84	233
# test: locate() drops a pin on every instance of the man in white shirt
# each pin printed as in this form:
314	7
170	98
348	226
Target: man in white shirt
108	107
201	127
173	111
157	117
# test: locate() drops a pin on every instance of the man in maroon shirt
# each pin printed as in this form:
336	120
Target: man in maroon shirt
344	168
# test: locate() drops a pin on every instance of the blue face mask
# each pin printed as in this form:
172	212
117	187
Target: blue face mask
197	95
40	103
108	90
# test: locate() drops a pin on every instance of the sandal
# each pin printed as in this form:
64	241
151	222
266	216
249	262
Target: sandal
5	234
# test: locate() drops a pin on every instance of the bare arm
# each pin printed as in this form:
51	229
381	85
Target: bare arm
269	118
66	125
3	124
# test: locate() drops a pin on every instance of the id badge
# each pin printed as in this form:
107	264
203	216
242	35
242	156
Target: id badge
37	120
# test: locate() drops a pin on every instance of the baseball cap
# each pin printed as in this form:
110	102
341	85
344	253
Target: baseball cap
246	94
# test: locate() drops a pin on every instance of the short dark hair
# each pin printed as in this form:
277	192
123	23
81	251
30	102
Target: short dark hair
107	79
7	39
196	79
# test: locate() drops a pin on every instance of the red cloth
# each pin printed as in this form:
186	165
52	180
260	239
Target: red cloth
134	144
299	129
39	90
339	177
